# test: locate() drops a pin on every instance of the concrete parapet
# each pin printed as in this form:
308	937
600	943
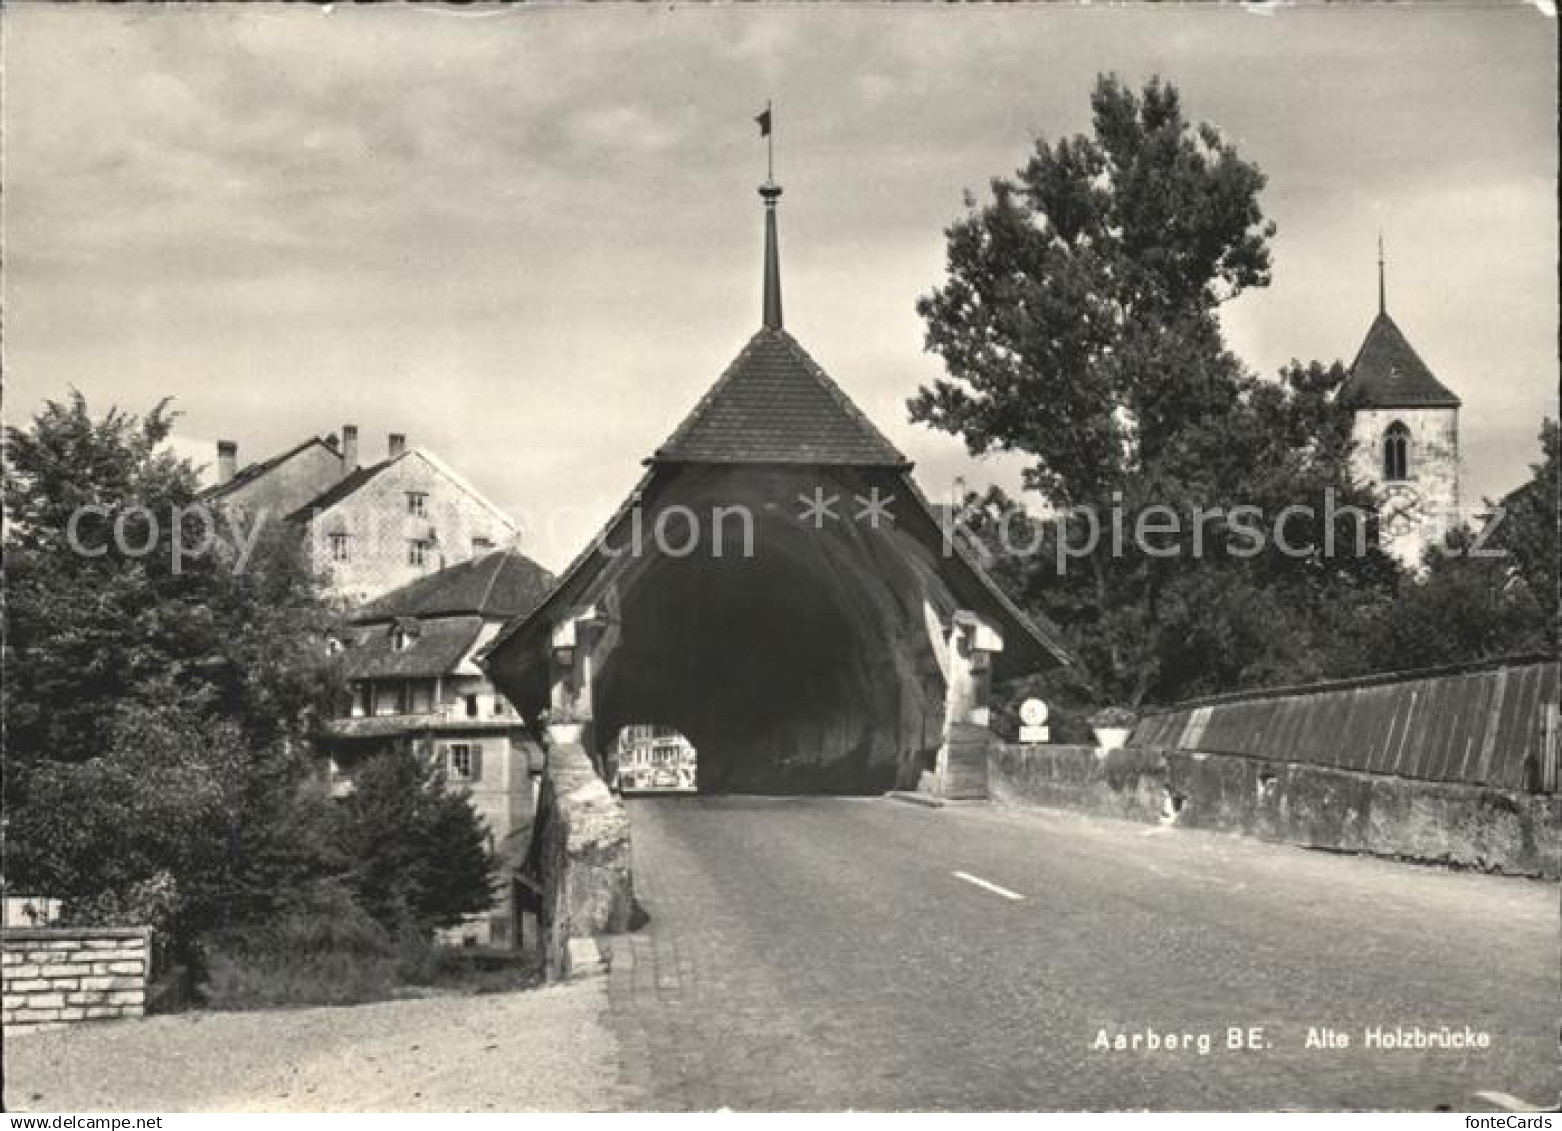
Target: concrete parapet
1313	806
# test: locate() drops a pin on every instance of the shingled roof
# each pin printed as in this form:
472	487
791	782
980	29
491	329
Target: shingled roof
774	404
1388	373
339	490
435	648
504	583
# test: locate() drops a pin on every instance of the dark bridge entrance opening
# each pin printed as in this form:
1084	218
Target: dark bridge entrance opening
806	656
766	664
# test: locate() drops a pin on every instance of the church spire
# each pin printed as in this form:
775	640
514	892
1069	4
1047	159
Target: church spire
770	192
1382	290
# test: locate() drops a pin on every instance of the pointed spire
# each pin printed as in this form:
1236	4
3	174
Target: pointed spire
771	192
1382	290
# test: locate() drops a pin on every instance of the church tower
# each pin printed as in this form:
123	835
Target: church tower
1407	436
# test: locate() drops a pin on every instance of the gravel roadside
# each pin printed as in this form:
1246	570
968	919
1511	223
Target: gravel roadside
539	1050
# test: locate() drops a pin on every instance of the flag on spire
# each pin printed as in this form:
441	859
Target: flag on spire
763	119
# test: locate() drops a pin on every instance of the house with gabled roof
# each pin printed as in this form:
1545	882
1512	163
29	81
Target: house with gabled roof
371	527
413	684
1406	426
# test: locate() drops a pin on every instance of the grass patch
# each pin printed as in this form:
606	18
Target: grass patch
261	979
330	952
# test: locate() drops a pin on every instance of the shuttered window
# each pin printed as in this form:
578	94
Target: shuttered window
464	761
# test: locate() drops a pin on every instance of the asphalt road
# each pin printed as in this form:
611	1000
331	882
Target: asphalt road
817	953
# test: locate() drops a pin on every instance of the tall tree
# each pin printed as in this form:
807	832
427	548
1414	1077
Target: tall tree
1078	325
158	701
419	853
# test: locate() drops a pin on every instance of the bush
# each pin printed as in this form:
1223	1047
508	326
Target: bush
323	949
417	852
250	978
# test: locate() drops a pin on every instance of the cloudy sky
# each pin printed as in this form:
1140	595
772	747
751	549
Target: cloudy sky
529	238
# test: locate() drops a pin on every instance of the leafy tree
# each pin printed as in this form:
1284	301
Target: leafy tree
157	707
116	619
158	762
1078	325
1078	317
418	852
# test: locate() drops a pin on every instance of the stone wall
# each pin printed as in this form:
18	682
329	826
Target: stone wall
1292	803
579	858
56	974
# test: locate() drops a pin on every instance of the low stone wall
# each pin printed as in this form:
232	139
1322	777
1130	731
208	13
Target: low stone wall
56	974
1293	803
579	857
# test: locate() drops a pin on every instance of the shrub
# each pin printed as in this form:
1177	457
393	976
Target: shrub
417	852
325	949
248	978
322	949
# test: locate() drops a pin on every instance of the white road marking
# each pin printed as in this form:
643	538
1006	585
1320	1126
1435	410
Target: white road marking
1506	1102
981	883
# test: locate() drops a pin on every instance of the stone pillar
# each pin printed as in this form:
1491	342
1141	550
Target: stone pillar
962	758
580	645
971	645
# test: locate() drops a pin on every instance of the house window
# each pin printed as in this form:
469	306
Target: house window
499	707
416	501
390	699
401	640
421	698
333	646
464	760
471	706
1396	452
341	547
417	551
360	700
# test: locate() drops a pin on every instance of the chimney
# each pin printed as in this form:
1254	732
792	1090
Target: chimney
349	448
227	460
397	445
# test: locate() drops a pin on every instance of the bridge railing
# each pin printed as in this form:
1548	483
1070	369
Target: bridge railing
1491	725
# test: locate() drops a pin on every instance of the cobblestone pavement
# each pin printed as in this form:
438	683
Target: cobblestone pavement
821	954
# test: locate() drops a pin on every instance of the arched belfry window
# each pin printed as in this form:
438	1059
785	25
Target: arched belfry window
1396	452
